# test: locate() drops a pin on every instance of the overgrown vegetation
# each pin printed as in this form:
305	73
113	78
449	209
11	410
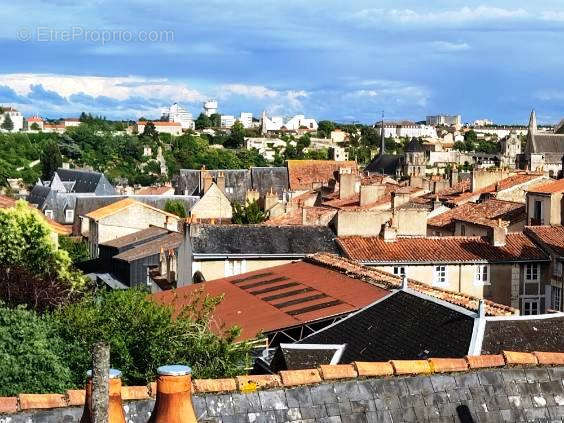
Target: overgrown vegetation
76	248
248	214
175	207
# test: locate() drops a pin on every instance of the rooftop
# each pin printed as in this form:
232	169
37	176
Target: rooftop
154	190
551	237
159	123
164	243
303	174
549	188
452	249
120	205
140	236
7	202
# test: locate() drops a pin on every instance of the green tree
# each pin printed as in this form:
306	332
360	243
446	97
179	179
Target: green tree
215	120
143	335
26	241
150	131
175	207
35	126
202	122
324	128
30	351
8	124
76	248
51	160
248	214
237	137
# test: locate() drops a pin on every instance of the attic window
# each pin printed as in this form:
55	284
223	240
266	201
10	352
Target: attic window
49	214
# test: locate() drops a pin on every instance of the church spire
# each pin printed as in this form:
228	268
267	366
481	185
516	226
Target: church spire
533	121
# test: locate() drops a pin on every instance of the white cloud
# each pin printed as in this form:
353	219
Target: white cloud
447	46
257	91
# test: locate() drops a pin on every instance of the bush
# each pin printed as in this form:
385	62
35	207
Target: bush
76	248
175	207
248	214
30	354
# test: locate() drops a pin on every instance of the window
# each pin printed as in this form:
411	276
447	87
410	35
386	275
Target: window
69	216
532	272
482	275
235	267
530	307
49	214
439	275
399	270
229	190
462	229
555	297
557	268
538	210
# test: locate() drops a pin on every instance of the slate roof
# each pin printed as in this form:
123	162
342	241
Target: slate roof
403	326
292	357
171	241
385	163
38	195
137	237
289	241
123	204
86	181
551	237
451	249
7	202
414	146
266	178
548	143
279	297
303	174
485	213
527	333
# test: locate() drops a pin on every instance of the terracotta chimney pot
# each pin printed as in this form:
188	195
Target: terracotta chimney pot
115	405
174	396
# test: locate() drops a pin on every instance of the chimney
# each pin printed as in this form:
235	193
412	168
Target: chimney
371	193
174	396
115	405
404	282
207	181
221	181
252	196
499	233
346	184
454	177
389	233
304	216
399	199
437	203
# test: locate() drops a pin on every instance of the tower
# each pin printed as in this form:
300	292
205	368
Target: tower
382	137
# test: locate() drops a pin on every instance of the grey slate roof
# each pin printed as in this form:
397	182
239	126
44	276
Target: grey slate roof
403	325
266	178
530	334
414	146
86	181
548	143
136	238
384	163
255	240
38	195
171	241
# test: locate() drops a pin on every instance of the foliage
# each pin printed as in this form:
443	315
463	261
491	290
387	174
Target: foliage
76	248
144	335
149	131
30	352
34	126
51	160
175	207
248	214
202	122
25	241
8	124
325	127
237	137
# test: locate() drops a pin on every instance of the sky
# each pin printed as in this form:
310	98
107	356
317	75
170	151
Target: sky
327	59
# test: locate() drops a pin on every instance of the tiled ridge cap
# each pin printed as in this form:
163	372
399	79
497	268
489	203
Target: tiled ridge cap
387	280
293	378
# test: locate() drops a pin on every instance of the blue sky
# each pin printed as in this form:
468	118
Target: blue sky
327	59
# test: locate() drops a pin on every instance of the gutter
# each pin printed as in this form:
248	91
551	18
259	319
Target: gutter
248	256
415	263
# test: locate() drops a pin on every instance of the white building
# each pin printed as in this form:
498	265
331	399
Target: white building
340	154
501	131
447	120
273	123
482	122
246	119
34	119
267	146
15	116
300	121
172	128
227	121
210	107
176	113
408	130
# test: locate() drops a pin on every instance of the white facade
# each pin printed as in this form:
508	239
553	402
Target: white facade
448	120
15	116
409	131
340	154
246	119
482	122
210	107
227	121
70	122
266	146
34	119
172	128
501	131
300	121
176	113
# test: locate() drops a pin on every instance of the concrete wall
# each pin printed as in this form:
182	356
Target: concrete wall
213	205
546	209
484	178
365	223
410	222
471	229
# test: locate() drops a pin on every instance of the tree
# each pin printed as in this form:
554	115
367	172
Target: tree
460	146
237	137
325	127
51	160
75	247
175	207
25	241
249	214
202	122
35	126
150	131
8	124
30	351
215	120
143	335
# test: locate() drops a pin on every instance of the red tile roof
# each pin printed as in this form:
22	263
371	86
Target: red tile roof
549	188
154	190
158	123
303	174
34	119
279	297
485	214
353	203
451	249
551	236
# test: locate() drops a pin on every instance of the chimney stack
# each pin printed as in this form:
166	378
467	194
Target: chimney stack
399	199
221	181
207	181
174	396
371	193
270	200
346	183
389	233
499	233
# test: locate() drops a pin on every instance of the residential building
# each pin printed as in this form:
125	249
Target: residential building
503	267
544	203
125	217
176	113
16	117
407	130
210	107
273	123
482	122
34	120
172	128
304	175
447	120
71	122
58	128
246	119
213	204
287	302
218	251
543	151
267	147
510	150
338	135
340	154
299	122
551	240
227	121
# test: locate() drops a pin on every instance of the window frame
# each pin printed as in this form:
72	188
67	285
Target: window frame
440	271
49	213
71	219
531	301
533	270
479	271
400	271
555	297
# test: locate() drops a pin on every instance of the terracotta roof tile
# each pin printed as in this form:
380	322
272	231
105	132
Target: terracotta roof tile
314	216
452	249
303	174
551	236
549	188
154	190
158	123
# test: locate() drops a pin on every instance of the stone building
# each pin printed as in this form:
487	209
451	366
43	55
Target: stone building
414	159
544	151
